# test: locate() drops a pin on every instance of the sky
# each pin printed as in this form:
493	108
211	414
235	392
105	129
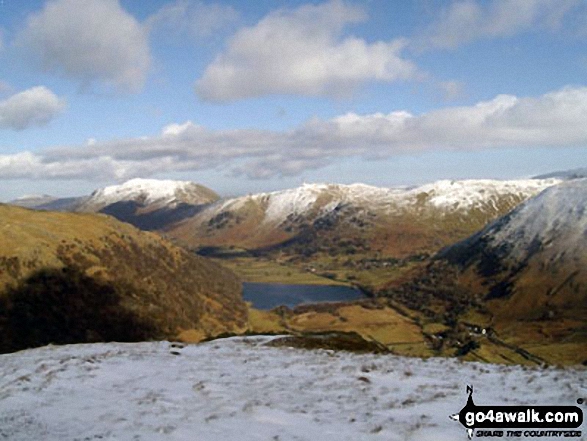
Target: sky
258	96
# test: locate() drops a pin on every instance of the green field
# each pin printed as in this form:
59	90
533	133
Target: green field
258	270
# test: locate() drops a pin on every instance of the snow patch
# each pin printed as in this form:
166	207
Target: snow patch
240	389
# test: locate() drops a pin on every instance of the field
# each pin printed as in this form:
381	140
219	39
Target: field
260	270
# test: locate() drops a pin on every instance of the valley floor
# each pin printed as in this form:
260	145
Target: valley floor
242	389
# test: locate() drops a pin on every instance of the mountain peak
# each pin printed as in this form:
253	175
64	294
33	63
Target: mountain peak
558	215
151	192
154	188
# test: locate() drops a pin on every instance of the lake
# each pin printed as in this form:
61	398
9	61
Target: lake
271	295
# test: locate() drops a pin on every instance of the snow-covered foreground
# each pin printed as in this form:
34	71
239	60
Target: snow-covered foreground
240	389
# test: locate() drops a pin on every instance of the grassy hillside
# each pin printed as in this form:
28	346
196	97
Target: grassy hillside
68	277
530	322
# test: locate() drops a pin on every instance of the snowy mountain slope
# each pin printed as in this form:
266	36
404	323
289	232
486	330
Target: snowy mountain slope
446	195
150	193
524	276
470	194
525	272
555	219
240	389
379	217
551	227
148	204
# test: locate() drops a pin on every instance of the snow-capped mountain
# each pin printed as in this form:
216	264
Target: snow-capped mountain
269	219
149	204
478	194
524	276
555	219
552	224
532	263
151	194
446	195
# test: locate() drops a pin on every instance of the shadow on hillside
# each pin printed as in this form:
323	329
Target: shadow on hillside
63	306
129	211
334	340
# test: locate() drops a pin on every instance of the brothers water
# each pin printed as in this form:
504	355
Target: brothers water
272	295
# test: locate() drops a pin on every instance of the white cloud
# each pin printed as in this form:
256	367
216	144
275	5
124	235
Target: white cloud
89	41
33	107
464	21
302	51
195	18
451	90
557	119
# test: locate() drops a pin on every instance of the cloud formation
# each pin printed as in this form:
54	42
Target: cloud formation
33	107
556	119
194	18
89	41
464	21
451	90
303	52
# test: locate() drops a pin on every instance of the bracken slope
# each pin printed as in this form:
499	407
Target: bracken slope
86	275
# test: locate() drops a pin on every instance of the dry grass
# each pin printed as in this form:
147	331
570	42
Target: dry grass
380	324
266	322
560	353
171	287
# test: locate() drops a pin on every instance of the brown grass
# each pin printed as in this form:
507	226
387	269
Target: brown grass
171	287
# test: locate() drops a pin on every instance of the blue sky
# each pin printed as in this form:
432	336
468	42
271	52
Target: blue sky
257	96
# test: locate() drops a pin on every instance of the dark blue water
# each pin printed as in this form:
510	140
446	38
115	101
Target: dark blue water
271	295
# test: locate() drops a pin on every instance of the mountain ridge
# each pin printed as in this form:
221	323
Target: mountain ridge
379	217
395	222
